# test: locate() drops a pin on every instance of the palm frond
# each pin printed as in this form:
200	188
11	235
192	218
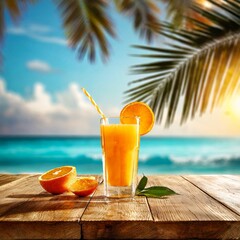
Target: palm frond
196	70
182	14
87	26
14	8
144	15
176	10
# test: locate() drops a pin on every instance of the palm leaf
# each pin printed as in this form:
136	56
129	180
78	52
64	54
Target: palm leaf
177	10
196	70
15	9
182	14
144	15
87	26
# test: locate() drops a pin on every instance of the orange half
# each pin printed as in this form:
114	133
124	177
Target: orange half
84	186
58	180
141	110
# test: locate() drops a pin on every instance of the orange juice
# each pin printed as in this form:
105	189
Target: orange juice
120	144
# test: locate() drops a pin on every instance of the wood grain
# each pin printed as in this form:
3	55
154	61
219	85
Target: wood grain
39	230
7	178
225	189
207	207
234	177
103	209
10	193
191	213
24	201
161	230
191	204
102	216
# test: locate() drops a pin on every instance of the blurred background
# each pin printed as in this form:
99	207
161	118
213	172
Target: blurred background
180	57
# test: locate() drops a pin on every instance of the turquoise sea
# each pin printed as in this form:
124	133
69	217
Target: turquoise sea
158	155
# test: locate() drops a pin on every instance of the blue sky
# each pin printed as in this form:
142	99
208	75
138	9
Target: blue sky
38	43
41	79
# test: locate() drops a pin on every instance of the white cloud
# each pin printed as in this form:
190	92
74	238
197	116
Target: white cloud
38	28
16	31
54	40
41	102
2	85
71	113
38	33
38	65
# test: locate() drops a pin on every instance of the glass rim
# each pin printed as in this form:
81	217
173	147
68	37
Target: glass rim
115	117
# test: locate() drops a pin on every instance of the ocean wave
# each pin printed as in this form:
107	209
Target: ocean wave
93	164
156	160
206	160
225	160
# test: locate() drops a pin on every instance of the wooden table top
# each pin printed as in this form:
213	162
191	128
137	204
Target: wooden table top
207	207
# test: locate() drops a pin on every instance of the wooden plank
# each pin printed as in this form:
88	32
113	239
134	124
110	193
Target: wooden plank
161	230
12	193
27	211
39	230
190	205
225	189
101	208
7	178
24	201
16	186
191	214
102	217
234	177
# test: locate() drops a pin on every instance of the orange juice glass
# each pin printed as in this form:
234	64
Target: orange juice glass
120	147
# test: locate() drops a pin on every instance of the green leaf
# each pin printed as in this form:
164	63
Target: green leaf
142	184
157	191
154	191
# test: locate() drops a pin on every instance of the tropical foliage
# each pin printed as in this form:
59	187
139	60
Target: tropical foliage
144	13
14	8
194	71
87	23
197	69
88	26
177	11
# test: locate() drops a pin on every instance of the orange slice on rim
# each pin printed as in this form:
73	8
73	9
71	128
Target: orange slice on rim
141	110
84	186
58	180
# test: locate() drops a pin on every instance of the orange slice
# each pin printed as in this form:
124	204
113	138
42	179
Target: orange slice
84	186
58	180
142	110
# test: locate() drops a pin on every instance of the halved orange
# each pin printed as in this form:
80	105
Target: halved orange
141	110
84	186
58	180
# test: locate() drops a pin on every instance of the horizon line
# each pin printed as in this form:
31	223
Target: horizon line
98	136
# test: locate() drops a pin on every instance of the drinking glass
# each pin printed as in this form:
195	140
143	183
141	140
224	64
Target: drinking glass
120	147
